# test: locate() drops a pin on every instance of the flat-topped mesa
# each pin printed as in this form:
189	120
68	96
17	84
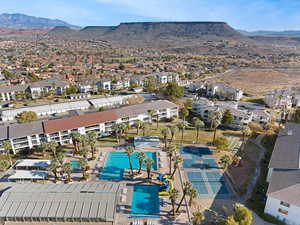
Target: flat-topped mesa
157	30
177	29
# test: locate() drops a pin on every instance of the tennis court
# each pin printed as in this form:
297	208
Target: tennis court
202	171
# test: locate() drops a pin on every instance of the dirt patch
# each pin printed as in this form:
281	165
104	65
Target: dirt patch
257	82
242	175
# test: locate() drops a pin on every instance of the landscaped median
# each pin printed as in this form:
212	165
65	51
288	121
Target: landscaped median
258	198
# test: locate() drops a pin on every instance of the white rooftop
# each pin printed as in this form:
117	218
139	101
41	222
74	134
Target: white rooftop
33	163
28	175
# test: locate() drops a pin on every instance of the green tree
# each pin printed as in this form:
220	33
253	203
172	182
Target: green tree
225	161
171	150
176	162
26	116
246	131
151	113
181	126
4	164
198	124
230	221
43	147
141	156
84	166
138	125
148	162
242	215
184	113
117	131
197	217
53	168
83	151
186	189
215	118
173	131
92	139
173	195
165	131
129	151
144	127
60	156
221	143
75	136
193	193
188	103
7	148
173	91
67	169
227	118
72	89
52	146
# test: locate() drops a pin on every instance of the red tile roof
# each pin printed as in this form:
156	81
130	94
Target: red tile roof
52	126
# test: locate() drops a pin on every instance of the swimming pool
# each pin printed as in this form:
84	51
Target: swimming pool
75	165
116	162
145	200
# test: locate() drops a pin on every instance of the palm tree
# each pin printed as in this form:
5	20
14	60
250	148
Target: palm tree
126	128
198	124
52	146
148	162
141	156
7	148
138	125
173	131
193	193
165	133
83	151
84	166
83	140
181	126
144	127
60	156
184	113
75	136
67	170
129	151
92	139
170	151
151	113
117	130
43	147
198	217
215	118
186	189
173	195
53	168
176	161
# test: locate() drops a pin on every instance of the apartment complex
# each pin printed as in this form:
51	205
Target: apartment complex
283	195
28	135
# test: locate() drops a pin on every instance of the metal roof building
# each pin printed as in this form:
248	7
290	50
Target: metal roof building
60	202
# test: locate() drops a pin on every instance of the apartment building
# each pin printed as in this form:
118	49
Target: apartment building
28	135
34	90
283	194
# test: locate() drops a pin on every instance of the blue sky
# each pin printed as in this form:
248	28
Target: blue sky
241	14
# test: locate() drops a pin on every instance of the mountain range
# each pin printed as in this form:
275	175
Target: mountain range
21	21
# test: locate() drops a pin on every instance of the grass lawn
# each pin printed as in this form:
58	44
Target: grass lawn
189	135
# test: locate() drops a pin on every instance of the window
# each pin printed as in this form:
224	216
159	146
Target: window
285	212
285	204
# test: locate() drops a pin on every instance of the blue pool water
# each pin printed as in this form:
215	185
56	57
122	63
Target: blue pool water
75	165
145	199
116	162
